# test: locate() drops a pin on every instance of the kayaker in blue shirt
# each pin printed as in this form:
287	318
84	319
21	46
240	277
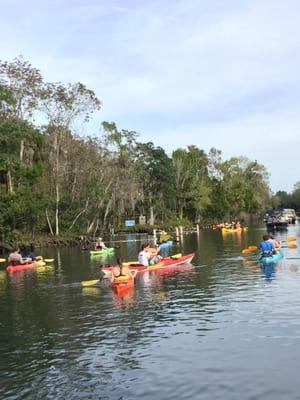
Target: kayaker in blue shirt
266	246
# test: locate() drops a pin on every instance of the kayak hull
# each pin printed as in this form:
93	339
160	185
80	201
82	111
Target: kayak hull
271	259
121	287
21	267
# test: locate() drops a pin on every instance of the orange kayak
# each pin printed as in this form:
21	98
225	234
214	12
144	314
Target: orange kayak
123	283
21	267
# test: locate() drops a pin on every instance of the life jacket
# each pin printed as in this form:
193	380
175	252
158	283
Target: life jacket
122	278
266	248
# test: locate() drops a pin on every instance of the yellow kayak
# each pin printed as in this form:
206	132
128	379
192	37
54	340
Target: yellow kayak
236	230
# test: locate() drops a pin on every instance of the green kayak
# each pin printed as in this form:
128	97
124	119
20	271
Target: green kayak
103	252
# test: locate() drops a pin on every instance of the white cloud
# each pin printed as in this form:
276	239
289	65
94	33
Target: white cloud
179	72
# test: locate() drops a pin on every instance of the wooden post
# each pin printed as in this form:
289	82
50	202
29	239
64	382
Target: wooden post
177	233
198	229
181	230
154	237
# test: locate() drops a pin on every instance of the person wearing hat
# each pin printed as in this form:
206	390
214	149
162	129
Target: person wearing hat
100	245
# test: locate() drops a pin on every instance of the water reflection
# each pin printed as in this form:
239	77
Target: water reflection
187	331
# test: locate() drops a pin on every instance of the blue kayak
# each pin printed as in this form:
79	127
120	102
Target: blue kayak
271	259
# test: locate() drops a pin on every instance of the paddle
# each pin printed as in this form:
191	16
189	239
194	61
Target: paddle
291	238
49	260
91	282
290	246
2	259
254	248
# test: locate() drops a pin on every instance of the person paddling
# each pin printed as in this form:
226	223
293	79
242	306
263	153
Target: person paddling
15	257
267	247
120	271
100	245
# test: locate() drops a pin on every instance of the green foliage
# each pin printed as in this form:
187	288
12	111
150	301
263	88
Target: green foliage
54	182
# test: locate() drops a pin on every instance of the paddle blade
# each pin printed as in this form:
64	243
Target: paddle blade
246	251
90	283
292	246
291	239
49	260
252	248
2	260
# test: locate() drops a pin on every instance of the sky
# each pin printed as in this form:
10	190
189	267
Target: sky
218	73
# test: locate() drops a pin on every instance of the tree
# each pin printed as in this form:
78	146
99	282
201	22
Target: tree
156	179
191	181
63	105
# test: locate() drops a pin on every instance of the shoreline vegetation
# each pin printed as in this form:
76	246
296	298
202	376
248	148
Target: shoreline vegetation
57	184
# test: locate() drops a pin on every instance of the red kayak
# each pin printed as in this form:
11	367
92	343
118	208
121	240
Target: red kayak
121	287
166	262
122	284
21	267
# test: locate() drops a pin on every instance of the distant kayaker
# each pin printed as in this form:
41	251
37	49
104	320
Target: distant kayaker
100	245
15	257
266	246
120	270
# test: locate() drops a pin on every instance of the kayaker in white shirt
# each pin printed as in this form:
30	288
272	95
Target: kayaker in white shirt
144	255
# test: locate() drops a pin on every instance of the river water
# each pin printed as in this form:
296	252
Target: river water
224	328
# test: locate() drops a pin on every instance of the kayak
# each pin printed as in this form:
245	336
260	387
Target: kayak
230	230
271	259
123	283
21	267
102	252
166	262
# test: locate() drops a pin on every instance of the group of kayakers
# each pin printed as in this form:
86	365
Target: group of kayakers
229	225
269	245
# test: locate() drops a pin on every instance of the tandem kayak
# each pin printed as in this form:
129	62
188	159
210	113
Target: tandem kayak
271	259
103	252
166	262
22	267
230	230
